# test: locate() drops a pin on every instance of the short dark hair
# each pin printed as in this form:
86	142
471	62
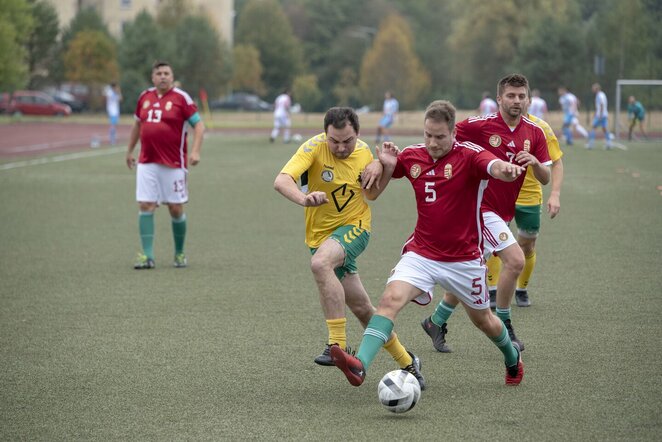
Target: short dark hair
441	110
514	80
340	117
160	63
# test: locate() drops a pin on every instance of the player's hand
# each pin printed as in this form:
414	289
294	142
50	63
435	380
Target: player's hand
371	175
525	159
553	205
194	159
314	199
388	154
130	161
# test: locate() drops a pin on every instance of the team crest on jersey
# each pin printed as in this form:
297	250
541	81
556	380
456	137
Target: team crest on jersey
168	105
495	141
503	236
448	171
527	145
327	176
146	104
415	171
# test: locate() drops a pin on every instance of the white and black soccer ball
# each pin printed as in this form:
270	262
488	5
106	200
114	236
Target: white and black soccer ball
297	138
399	391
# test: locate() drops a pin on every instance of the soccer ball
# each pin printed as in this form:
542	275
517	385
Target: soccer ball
297	138
399	391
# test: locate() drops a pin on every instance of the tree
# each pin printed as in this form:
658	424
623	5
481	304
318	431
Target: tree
16	25
42	42
263	25
87	19
203	60
306	92
171	12
346	90
144	42
391	64
247	70
551	53
91	59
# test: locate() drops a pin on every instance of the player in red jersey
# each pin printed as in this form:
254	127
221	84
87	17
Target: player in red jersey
449	179
512	137
162	115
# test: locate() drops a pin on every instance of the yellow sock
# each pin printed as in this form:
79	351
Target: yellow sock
398	351
493	270
525	276
337	334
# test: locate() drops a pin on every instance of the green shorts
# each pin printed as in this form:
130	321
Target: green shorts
528	220
354	241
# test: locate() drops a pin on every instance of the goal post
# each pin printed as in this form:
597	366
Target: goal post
619	84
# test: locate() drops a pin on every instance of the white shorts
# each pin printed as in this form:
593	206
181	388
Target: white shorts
156	183
465	279
496	234
282	121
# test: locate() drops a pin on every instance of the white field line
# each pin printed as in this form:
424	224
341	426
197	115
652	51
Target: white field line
46	146
60	158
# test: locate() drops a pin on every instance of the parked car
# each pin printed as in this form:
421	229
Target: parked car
68	98
241	101
32	103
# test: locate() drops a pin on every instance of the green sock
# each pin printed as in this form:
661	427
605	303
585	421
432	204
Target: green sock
506	346
375	336
442	313
503	313
146	230
179	233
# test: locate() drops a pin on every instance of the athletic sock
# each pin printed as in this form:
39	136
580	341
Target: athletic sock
146	231
503	313
506	346
337	333
525	276
442	313
398	351
493	270
374	337
179	233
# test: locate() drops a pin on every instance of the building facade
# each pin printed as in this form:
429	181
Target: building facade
116	13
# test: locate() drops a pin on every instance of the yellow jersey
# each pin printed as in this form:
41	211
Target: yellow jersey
531	192
339	179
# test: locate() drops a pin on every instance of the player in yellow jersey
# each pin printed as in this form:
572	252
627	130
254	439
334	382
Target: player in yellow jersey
527	215
338	224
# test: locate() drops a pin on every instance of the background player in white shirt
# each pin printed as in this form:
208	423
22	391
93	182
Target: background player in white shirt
282	119
570	107
487	105
538	106
601	117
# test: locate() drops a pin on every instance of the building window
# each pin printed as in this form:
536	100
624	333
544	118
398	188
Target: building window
125	4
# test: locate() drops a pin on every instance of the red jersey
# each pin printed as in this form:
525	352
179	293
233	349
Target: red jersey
448	196
492	133
163	123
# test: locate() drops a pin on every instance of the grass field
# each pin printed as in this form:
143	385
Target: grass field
91	349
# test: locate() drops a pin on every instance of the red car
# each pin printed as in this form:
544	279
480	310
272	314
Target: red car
32	103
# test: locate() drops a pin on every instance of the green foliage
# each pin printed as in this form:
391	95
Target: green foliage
263	25
132	82
142	43
16	24
87	19
42	43
171	12
550	53
346	91
91	59
391	64
202	59
306	92
248	70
